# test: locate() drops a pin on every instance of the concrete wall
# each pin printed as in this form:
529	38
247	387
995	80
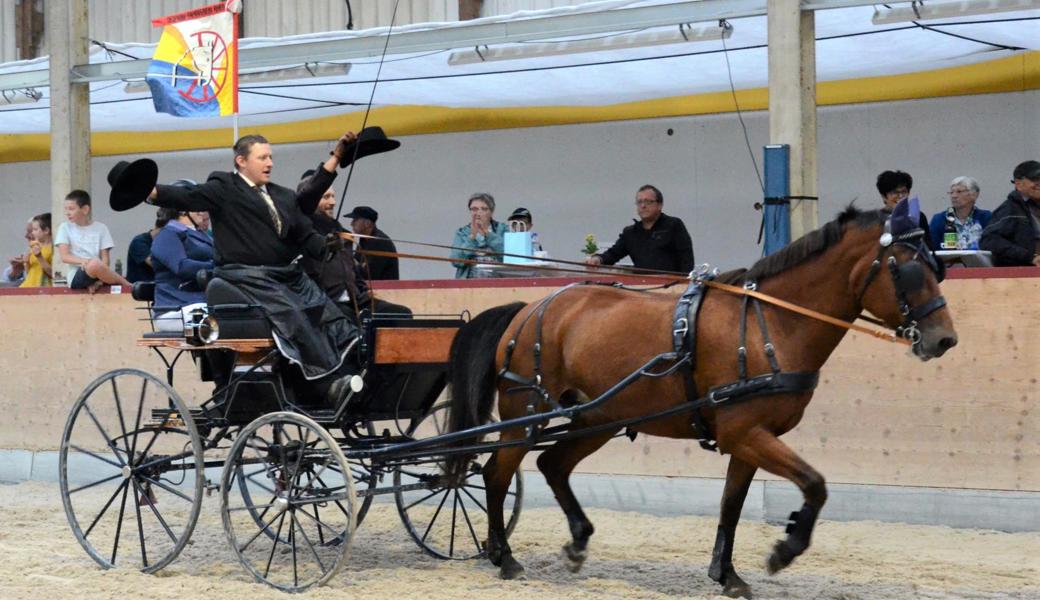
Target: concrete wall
582	179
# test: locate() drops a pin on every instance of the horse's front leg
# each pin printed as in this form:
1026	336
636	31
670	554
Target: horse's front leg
763	449
738	481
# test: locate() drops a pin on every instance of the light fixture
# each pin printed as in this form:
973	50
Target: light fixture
684	32
311	69
927	11
24	96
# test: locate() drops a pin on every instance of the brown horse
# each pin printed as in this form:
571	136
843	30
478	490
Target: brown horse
592	336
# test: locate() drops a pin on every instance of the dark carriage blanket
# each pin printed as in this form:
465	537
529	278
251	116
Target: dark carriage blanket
309	329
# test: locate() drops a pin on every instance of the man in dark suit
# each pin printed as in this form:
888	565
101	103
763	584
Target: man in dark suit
363	220
259	228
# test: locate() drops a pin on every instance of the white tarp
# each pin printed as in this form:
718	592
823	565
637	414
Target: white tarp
849	46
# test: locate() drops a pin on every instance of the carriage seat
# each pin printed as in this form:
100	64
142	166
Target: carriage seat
237	317
143	291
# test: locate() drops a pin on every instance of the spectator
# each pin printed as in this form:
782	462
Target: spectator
14	272
338	274
38	269
1013	231
85	246
481	240
178	252
895	186
960	226
363	221
521	220
655	241
139	255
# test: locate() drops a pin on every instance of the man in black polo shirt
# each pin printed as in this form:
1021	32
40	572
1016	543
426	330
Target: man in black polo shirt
259	230
655	241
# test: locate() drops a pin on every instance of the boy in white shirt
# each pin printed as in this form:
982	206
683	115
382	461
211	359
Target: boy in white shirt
85	246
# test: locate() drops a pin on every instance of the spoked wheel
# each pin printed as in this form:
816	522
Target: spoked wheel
294	526
448	521
253	479
131	471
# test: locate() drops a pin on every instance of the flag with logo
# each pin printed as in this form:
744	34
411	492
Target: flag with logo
194	71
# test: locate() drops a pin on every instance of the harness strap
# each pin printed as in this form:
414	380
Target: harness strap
793	382
768	343
742	346
884	335
922	311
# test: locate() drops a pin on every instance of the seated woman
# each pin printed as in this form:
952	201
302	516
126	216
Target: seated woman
179	252
481	240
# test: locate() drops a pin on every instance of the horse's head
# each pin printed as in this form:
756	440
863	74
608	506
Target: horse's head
898	281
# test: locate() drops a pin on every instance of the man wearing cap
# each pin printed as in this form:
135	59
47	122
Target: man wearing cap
655	241
259	230
1013	234
363	220
338	274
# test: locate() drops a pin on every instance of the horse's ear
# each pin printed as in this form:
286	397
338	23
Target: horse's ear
905	216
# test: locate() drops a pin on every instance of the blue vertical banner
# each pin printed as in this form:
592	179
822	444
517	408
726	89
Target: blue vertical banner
777	215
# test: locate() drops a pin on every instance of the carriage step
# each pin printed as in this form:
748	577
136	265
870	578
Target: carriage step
164	417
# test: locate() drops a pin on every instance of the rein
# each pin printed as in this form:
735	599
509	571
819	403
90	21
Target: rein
731	289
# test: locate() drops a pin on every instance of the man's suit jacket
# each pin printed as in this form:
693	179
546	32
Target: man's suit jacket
243	230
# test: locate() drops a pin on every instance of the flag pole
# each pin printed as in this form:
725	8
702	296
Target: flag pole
234	120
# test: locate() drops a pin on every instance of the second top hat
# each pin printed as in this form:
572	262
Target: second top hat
131	183
371	140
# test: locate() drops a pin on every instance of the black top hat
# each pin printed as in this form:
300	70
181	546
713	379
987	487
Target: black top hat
363	212
371	140
131	183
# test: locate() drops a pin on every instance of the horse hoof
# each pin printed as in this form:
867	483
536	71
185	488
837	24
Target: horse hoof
512	570
781	557
737	590
574	558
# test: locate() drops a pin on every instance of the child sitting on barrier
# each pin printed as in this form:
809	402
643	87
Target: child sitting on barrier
85	246
38	270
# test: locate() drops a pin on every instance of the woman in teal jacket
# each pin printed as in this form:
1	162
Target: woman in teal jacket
483	235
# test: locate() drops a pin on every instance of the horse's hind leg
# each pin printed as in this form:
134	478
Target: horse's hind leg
738	481
763	449
498	473
556	464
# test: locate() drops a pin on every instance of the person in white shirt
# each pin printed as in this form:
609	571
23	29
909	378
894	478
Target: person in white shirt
85	246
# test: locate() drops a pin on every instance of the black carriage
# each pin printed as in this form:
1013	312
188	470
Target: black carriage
295	477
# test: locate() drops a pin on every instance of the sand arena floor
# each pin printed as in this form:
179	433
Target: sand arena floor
632	555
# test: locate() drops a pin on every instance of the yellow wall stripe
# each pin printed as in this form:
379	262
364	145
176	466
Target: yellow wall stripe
1012	74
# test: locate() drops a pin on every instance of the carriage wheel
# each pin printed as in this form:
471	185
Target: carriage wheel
448	521
295	531
253	479
131	471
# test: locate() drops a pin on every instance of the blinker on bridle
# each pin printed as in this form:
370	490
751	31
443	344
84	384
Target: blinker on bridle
907	278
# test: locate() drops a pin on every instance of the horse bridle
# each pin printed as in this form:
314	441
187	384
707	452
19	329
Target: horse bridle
908	278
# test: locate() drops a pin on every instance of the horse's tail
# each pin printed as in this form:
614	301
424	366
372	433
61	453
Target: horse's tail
472	375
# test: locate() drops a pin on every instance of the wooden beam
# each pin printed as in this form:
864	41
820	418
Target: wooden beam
70	107
792	103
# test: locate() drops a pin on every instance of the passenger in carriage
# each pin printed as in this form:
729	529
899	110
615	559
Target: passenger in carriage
259	230
339	274
179	252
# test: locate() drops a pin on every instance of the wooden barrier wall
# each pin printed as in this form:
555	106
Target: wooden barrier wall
968	420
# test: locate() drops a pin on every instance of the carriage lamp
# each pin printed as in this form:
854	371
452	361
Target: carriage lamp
200	328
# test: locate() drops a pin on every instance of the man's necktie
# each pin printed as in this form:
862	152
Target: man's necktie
271	208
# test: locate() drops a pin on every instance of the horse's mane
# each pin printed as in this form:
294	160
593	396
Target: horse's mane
804	248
